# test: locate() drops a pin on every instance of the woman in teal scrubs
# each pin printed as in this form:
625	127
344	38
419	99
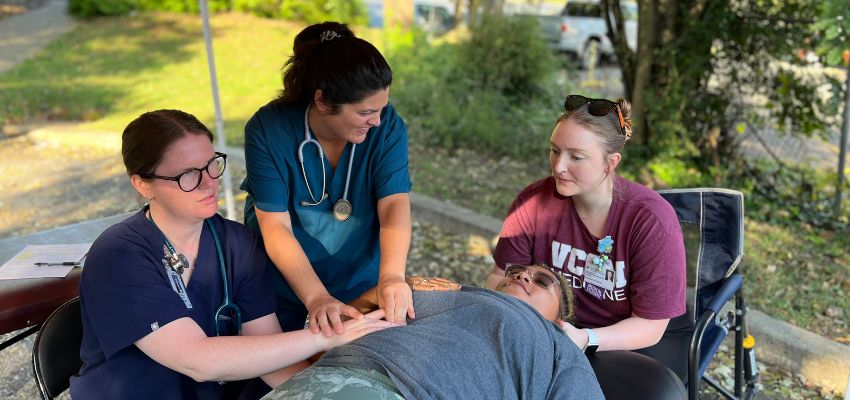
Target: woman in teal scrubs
328	182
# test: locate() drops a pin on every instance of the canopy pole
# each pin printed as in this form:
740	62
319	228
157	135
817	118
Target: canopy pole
219	121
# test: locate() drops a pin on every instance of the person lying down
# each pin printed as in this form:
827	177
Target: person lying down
465	342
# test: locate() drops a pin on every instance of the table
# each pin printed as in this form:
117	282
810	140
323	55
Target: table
28	302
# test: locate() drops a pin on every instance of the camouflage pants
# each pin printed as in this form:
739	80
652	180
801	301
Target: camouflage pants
336	383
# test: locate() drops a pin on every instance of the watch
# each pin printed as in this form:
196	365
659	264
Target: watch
592	342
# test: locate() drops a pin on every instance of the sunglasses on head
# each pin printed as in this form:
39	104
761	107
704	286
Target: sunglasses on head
595	107
539	277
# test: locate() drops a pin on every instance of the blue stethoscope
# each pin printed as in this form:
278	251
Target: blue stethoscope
175	263
342	208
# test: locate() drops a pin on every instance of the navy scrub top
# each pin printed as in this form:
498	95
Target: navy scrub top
124	296
345	255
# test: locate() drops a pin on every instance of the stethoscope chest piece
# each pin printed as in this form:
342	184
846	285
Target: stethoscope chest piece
342	210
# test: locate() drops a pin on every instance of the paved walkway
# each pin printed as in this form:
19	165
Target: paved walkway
21	36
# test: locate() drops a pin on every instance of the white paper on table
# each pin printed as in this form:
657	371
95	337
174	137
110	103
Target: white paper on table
22	265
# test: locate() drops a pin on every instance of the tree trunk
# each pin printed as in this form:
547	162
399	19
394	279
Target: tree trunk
643	67
458	17
616	34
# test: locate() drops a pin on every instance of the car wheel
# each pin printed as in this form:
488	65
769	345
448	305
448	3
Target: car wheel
590	55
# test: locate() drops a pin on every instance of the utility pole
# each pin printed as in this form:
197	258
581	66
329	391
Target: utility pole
842	151
219	120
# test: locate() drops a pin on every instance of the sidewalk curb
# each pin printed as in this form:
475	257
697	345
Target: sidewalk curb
821	361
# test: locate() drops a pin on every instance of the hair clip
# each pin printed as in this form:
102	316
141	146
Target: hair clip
328	35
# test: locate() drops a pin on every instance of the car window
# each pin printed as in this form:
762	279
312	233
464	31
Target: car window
423	12
443	17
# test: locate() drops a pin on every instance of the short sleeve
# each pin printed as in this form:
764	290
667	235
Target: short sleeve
657	289
264	180
125	295
254	293
516	239
392	173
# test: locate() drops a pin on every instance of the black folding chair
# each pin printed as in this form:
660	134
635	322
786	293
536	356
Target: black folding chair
56	351
713	225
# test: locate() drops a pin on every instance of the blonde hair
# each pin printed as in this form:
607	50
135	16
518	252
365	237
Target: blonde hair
607	128
568	305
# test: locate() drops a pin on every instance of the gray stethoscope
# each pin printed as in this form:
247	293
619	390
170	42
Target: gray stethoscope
342	207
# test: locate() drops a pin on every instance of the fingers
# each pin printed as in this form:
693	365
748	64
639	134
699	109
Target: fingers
389	307
336	321
377	314
350	311
357	328
563	325
326	317
397	302
324	324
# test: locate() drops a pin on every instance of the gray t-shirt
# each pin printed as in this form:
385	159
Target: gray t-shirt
473	344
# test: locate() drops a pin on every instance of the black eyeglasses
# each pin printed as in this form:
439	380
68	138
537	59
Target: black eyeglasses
538	276
596	108
190	179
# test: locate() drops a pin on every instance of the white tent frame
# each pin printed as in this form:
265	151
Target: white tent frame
219	121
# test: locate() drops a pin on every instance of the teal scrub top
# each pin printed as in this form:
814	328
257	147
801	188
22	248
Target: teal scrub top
344	254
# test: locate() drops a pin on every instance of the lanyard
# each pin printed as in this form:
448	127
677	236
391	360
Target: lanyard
228	311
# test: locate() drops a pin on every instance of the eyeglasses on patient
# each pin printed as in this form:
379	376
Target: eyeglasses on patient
595	107
190	179
539	277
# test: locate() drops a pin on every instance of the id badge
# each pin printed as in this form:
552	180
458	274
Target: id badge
601	277
177	284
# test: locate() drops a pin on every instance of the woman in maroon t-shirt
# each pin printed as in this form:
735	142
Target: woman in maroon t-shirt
618	243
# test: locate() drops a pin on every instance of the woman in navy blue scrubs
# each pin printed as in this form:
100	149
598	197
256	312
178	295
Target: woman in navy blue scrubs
328	182
157	323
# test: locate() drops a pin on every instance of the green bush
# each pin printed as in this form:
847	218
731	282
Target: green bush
310	11
95	8
493	92
313	11
182	6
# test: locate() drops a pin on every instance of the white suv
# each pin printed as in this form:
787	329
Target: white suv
580	30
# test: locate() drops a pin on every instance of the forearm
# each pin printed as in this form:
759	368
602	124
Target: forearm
268	325
181	345
395	234
289	258
630	334
231	358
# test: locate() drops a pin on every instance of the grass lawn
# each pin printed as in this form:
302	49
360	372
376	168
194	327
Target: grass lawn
108	71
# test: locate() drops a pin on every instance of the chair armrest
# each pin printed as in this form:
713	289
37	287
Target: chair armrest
730	286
